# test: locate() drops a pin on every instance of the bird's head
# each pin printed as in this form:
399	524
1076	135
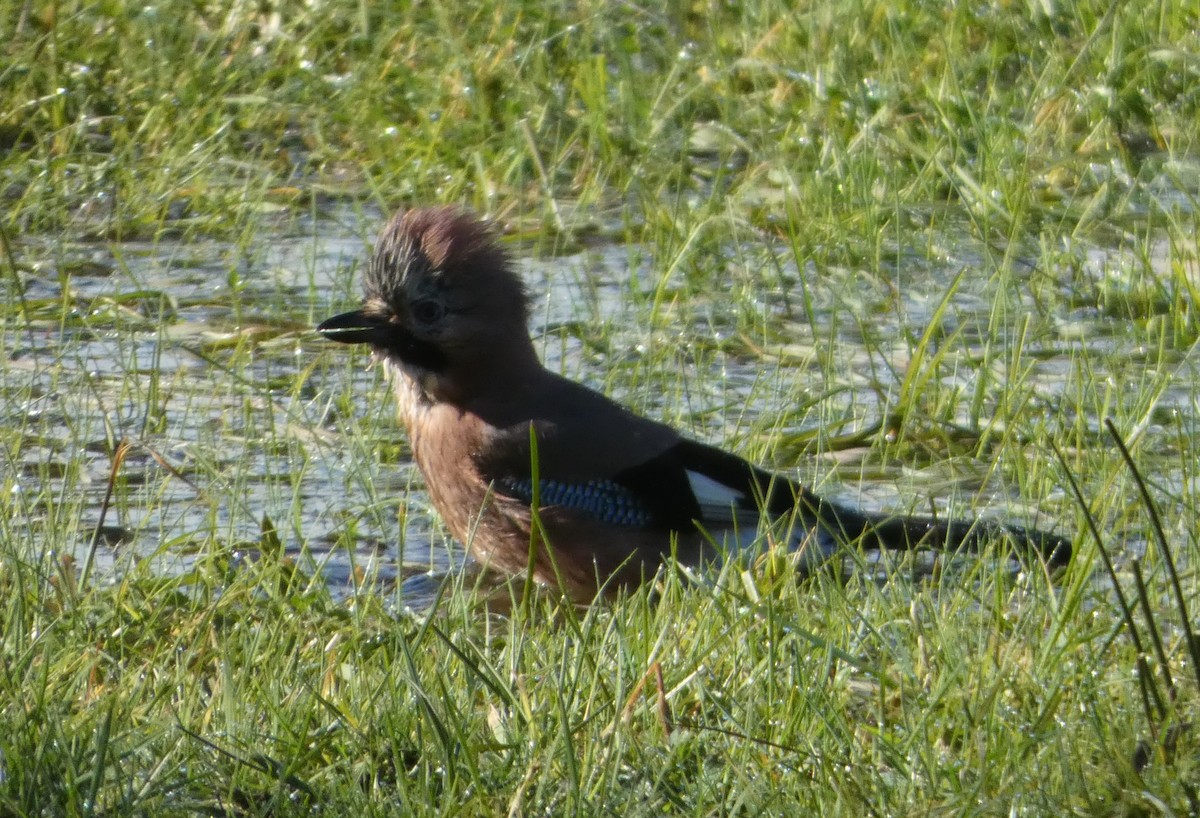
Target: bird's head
440	299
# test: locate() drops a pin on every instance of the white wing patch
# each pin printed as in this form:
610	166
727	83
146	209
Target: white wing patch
733	517
718	502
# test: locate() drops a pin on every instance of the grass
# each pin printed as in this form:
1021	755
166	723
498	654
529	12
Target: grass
932	250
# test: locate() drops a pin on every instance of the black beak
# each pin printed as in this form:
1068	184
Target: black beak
356	328
359	328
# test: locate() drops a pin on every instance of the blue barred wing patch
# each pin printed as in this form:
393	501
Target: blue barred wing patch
606	501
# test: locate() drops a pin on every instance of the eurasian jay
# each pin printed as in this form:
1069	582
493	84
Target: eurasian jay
532	471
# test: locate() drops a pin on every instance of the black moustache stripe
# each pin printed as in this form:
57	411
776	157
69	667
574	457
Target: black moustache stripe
422	354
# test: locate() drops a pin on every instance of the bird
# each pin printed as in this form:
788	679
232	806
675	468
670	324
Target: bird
541	476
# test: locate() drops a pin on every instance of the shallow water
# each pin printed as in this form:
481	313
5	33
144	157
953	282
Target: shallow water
202	356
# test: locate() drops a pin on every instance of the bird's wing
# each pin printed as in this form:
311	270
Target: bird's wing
598	458
685	484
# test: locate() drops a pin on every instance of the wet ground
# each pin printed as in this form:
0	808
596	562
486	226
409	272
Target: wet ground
241	419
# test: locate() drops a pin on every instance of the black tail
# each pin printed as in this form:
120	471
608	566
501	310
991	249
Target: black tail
905	533
779	496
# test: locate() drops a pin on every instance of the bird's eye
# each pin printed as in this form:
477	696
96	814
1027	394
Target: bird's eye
427	311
